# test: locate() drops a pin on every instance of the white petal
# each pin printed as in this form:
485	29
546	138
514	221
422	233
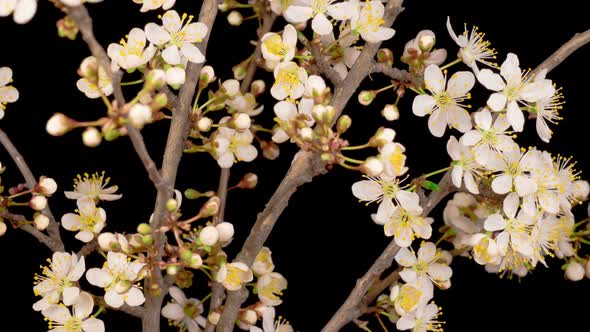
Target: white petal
427	251
93	325
515	116
510	69
5	72
423	104
437	123
321	25
525	185
83	306
192	53
171	55
178	295
99	277
70	222
497	101
171	21
434	79
460	84
502	184
6	8
405	257
491	80
134	297
440	272
24	11
495	222
367	190
471	138
408	275
173	311
246	153
70	295
483	119
457	176
195	32
57	313
297	14
85	236
285	110
470	183
156	34
114	299
458	118
406	322
226	160
510	205
8	94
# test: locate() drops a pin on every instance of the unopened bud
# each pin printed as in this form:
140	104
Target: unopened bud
235	18
239	71
38	202
385	55
155	79
66	28
2	228
111	133
159	101
390	112
89	69
91	137
195	261
172	270
144	229
41	221
147	240
270	150
122	286
575	271
207	76
248	317
366	97
211	207
322	114
445	257
107	242
382	137
58	124
249	181
213	317
306	134
226	231
223	7
257	88
372	166
204	124
241	121
344	122
171	205
139	115
47	185
426	42
175	76
209	236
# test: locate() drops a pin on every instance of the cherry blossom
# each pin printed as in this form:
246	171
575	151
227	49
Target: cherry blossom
8	93
58	280
93	186
61	320
88	221
132	53
302	10
184	312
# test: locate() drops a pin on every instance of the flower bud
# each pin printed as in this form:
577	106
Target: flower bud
213	317
2	228
385	55
239	71
89	69
184	279
171	205
248	317
175	76
270	150
209	235
320	113
445	257
231	87
226	231
38	202
366	97
211	207
249	181
344	122
66	27
207	76
155	79
382	137
581	190
235	18
41	221
426	42
58	124
390	112
107	242
372	166
122	286
241	121
139	115
575	271
257	88
195	261
91	137
144	229
111	133
147	240
204	124
47	185
306	134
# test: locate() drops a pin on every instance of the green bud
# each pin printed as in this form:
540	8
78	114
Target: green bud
171	205
343	124
144	229
148	240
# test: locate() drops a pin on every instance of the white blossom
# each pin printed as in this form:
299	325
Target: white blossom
302	10
61	320
473	48
185	313
88	221
8	93
58	280
132	53
93	186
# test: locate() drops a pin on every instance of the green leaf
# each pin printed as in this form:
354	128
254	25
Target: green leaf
430	185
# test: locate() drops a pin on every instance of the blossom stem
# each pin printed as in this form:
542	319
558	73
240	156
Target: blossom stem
355	161
356	147
195	103
450	232
381	323
354	168
450	64
304	57
206	298
207	273
581	222
132	82
206	104
442	170
100	309
20	193
385	88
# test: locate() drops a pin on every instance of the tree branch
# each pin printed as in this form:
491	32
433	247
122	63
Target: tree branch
577	41
53	228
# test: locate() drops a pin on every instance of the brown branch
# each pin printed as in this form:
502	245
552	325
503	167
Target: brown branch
577	41
53	228
21	223
356	303
304	167
397	74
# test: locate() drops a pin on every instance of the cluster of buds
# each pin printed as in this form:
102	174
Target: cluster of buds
577	270
127	243
420	52
67	28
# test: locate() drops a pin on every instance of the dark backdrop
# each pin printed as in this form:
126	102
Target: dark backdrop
325	239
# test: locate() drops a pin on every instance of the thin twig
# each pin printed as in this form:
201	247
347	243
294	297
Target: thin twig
53	228
20	220
577	41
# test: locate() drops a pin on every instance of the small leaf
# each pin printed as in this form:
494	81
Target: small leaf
430	185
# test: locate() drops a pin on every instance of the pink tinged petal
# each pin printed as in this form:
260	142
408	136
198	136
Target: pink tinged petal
502	184
171	21
405	257
525	185
171	55
497	101
280	136
70	222
470	183
156	34
434	79
8	94
5	72
99	277
178	295
93	325
491	80
458	118
408	275
85	236
173	311
226	160
457	175
406	322
436	57
134	297
321	25
70	295
515	116
114	299
494	222
195	32
268	319
297	14
437	123
285	110
423	104
439	272
246	153
57	313
483	119
83	306
366	190
192	53
24	11
471	138
427	252
460	84
191	325
510	205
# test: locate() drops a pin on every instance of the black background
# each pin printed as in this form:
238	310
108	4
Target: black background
325	239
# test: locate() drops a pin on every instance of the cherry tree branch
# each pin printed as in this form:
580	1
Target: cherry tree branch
577	41
21	164
304	167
